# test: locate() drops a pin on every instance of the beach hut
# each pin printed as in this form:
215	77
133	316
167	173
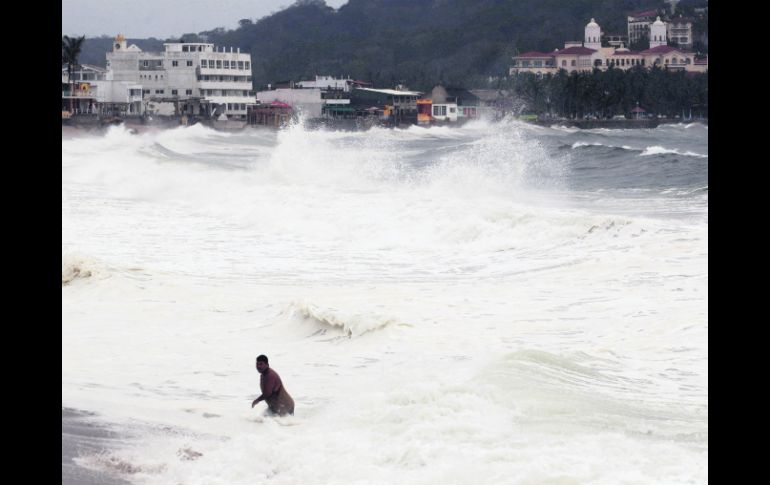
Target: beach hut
639	112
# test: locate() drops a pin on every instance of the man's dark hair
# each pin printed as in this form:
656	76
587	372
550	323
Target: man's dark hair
262	358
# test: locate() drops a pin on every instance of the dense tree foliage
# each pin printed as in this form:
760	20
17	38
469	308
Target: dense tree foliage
70	52
609	93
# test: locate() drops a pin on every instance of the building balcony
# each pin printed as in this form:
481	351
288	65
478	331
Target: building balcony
245	86
207	71
79	94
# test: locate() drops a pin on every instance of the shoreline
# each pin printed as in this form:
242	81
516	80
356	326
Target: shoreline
73	130
80	435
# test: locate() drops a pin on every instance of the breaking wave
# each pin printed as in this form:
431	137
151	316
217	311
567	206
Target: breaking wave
347	323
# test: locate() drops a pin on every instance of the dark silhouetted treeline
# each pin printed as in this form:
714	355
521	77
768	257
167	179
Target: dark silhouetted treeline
609	93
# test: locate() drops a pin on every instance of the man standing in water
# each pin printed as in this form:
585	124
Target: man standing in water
273	393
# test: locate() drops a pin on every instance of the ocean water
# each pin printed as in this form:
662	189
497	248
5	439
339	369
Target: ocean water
497	303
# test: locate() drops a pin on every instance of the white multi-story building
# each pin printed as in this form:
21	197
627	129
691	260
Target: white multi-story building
639	25
679	30
206	80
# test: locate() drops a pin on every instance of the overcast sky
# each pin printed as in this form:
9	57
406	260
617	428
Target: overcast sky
162	18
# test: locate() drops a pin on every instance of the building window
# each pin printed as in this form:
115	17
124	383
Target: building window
219	64
240	65
174	92
174	63
189	64
158	91
146	63
247	65
226	65
204	63
439	111
452	110
145	91
564	63
572	63
188	92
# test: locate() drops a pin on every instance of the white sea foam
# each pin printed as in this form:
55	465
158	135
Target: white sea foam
659	150
429	296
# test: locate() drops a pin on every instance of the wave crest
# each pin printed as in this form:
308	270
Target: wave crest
350	324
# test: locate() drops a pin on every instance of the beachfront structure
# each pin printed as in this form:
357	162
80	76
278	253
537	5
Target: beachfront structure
201	78
331	83
400	104
92	93
575	57
307	102
324	96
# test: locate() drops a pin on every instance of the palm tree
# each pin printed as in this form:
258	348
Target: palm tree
70	50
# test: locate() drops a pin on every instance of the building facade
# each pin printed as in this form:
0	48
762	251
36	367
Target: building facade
213	80
585	59
639	25
93	93
679	31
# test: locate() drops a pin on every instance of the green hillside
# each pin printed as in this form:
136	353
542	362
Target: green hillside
413	42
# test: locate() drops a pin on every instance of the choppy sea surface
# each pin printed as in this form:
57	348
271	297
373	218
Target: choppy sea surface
496	303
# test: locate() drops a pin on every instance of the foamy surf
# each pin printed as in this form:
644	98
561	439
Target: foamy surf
531	299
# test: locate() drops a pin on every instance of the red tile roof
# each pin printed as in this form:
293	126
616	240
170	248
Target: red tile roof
661	49
575	51
535	54
644	13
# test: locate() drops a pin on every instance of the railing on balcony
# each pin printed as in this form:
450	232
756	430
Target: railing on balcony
78	93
